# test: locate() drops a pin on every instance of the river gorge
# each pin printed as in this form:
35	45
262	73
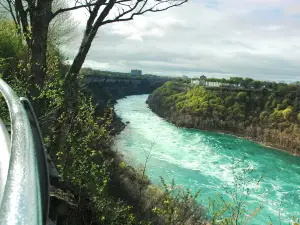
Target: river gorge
197	159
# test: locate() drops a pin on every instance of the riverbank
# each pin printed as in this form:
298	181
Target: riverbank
166	102
205	159
131	185
235	134
254	140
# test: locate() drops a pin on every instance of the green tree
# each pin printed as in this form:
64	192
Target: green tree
236	80
242	96
282	89
287	113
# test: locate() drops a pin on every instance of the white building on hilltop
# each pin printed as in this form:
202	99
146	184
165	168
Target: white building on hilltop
203	82
195	82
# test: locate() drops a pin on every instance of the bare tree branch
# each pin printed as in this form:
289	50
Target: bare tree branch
35	17
22	15
4	6
10	3
63	26
142	11
88	5
93	15
9	8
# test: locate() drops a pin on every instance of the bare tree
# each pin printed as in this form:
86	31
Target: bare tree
34	16
236	210
147	153
7	6
112	11
62	28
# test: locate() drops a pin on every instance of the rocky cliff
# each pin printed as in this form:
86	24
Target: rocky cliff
211	110
105	90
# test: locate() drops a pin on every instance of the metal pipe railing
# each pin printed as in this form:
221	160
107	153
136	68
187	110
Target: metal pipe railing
4	157
25	195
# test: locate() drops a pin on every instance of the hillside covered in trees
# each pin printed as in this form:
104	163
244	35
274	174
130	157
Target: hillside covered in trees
269	113
101	188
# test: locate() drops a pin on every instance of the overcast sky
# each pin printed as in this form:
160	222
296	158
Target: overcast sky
217	38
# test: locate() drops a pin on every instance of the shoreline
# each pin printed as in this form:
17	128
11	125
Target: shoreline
237	135
119	126
266	145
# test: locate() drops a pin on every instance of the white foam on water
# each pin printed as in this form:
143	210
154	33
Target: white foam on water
205	154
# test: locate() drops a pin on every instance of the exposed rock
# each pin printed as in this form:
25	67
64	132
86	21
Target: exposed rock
257	133
105	91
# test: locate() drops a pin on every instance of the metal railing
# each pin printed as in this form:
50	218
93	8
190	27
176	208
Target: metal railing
24	181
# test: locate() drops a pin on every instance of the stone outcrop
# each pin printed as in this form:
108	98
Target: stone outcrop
105	90
269	137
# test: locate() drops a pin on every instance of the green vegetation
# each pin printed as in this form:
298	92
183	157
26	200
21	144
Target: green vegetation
270	116
106	191
111	74
246	83
78	148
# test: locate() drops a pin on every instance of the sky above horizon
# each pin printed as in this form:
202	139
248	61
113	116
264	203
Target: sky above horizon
249	38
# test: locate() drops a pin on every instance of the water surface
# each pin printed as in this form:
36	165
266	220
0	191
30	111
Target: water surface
198	159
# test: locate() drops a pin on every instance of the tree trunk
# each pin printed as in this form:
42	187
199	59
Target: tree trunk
40	25
80	57
89	35
71	87
71	84
40	18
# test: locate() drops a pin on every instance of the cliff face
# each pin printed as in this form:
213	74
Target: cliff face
167	103
106	90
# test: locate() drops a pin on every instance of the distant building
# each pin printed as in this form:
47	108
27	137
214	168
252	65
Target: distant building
184	77
217	84
213	84
136	72
227	85
195	82
203	80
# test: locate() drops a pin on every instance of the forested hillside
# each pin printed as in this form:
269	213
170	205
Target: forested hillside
93	184
267	115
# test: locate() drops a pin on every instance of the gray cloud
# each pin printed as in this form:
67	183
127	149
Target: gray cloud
216	39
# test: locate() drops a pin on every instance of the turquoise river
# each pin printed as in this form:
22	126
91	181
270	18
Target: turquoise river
197	159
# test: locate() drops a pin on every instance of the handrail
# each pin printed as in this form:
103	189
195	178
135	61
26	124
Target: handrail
22	202
41	158
4	157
